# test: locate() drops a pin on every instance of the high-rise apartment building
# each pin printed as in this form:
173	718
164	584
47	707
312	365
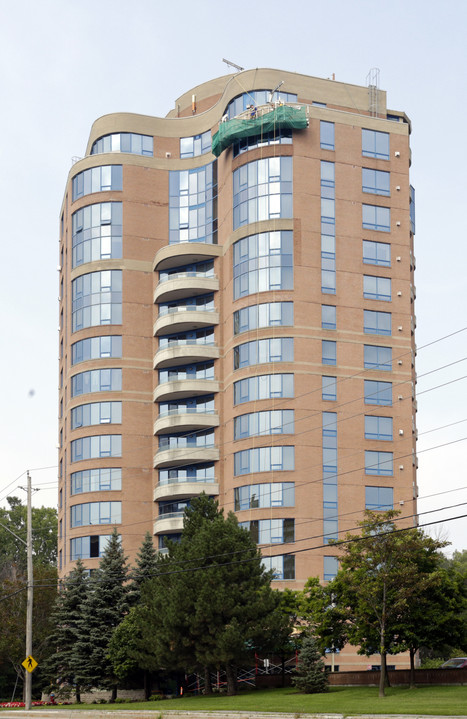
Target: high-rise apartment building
237	317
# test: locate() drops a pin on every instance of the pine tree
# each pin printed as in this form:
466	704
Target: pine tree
66	618
103	610
310	676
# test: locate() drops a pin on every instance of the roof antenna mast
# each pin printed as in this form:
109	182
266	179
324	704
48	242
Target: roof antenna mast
232	64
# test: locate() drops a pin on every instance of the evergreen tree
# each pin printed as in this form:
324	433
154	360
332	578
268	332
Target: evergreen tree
66	618
310	676
103	609
212	604
145	569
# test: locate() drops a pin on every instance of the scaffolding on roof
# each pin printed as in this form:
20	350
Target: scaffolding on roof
258	121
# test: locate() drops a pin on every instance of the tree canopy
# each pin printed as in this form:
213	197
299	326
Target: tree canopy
211	604
13	582
386	576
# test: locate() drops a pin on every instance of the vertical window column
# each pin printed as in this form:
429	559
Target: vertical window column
330	524
328	228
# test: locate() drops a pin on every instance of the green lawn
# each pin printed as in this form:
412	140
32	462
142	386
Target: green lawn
447	700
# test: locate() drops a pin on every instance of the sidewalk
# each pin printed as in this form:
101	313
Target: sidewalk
67	712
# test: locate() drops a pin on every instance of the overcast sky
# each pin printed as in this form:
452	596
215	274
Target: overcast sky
64	63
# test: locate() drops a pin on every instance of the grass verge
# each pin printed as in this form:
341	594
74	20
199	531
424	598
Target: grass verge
428	700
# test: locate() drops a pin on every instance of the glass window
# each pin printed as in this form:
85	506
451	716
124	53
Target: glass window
96	380
198	370
258	496
96	513
330	568
412	209
97	233
376	253
256	97
262	263
187	473
329	352
272	314
96	413
270	531
275	137
377	288
282	566
196	269
96	480
96	348
201	303
376	218
193	205
96	299
89	547
278	349
181	441
264	459
195	145
124	142
379	463
104	445
329	388
376	323
326	135
280	421
376	357
378	428
97	179
376	182
375	144
264	386
190	405
172	508
379	499
203	336
378	392
328	317
328	229
262	190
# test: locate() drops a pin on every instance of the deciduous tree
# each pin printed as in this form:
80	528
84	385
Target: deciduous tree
382	577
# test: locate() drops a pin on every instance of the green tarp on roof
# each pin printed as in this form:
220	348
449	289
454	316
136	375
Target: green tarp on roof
282	116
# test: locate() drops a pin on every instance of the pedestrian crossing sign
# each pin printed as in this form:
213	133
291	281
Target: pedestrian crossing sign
29	664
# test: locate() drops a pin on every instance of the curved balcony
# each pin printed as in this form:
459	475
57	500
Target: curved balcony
184	354
185	284
186	422
185	253
184	455
183	320
181	388
184	490
168	523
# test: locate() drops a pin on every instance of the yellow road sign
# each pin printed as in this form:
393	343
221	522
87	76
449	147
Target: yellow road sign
29	664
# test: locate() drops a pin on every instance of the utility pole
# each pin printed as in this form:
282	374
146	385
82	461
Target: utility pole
29	595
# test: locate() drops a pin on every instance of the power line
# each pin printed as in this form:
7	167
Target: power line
294	552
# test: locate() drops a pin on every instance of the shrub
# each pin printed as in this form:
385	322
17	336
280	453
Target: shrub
310	676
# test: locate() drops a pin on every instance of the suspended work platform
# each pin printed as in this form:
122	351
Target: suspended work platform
256	122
